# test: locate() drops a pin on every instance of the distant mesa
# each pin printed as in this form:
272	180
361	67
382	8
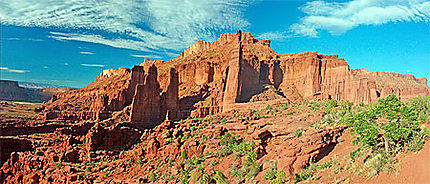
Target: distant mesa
29	92
208	78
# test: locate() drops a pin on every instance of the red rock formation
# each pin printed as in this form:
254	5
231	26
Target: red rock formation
214	76
146	107
234	84
94	102
150	107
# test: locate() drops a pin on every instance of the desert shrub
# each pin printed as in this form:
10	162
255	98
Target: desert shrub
315	106
308	172
280	178
398	125
330	104
193	169
346	105
298	132
139	160
205	179
220	178
284	106
315	125
271	173
247	170
184	154
336	116
223	121
276	177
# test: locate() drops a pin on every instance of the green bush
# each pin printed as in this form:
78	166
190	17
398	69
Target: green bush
220	178
276	177
308	172
139	160
298	132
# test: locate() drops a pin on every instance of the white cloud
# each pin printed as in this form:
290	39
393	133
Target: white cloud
92	38
145	56
45	67
148	24
93	65
66	64
86	53
10	70
337	18
273	36
24	39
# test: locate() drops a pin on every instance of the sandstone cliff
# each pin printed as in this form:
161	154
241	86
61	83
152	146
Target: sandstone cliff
208	78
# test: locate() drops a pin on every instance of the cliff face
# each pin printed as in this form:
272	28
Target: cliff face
150	107
208	78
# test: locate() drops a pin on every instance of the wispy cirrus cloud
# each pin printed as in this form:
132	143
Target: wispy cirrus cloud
86	53
138	25
10	70
145	56
24	39
93	38
274	35
337	18
93	65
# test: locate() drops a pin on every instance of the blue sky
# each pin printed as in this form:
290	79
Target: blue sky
70	42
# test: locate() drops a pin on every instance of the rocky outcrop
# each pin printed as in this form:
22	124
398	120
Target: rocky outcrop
116	137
